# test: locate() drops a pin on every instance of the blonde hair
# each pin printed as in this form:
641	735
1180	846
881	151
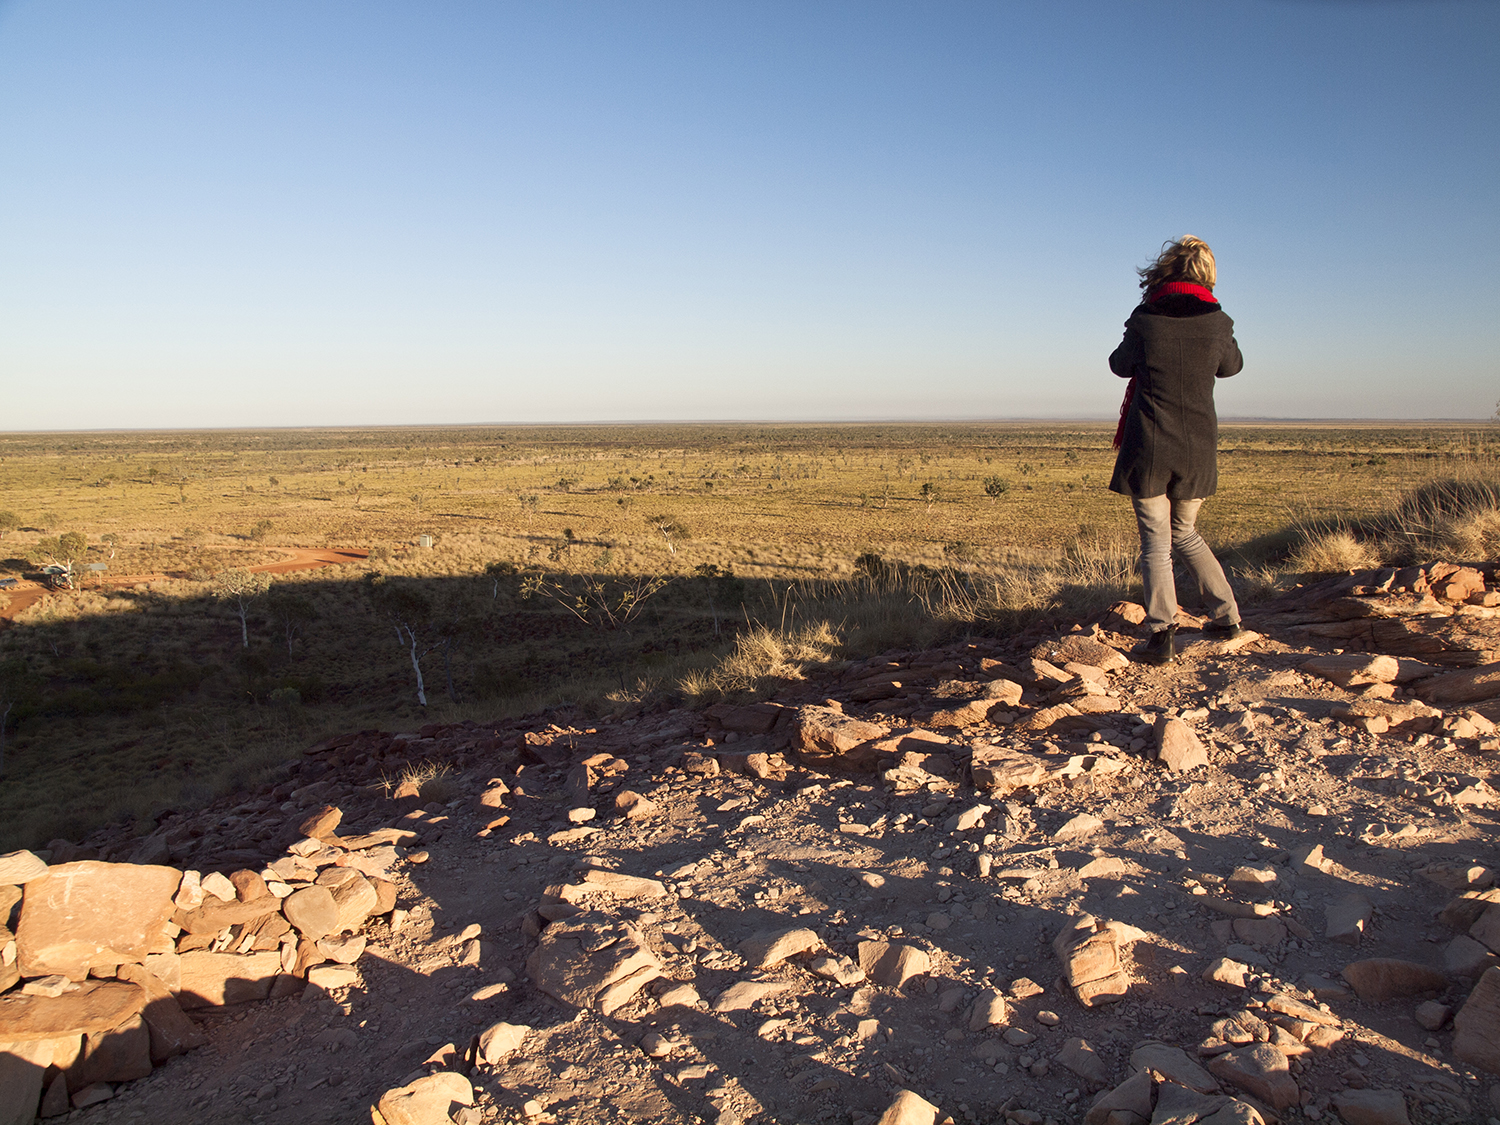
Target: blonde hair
1187	259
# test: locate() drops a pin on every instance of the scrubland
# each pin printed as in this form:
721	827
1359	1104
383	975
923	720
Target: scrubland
594	566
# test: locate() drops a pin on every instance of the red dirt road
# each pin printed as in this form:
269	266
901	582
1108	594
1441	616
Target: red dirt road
26	594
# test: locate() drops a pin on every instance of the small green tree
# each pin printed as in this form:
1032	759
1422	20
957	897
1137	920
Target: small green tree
9	521
996	487
241	587
260	529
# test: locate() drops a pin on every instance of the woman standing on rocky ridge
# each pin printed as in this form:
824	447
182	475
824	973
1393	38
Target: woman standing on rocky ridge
1177	342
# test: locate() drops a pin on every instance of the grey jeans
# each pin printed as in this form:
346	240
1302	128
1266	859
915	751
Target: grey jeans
1167	529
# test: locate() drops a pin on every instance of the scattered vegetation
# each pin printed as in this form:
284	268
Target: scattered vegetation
562	571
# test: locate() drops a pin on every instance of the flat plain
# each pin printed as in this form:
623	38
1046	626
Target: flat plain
136	690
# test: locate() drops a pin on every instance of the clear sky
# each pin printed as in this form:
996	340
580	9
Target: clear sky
315	212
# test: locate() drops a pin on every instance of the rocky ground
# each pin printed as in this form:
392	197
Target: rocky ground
1016	880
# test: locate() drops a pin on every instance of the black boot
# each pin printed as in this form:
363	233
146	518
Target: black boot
1161	648
1223	630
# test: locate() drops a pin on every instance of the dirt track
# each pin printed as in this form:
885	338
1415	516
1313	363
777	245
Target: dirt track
27	594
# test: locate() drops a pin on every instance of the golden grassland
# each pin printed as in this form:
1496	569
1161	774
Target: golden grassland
129	698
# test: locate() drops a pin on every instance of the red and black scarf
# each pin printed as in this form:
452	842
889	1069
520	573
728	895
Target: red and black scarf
1170	289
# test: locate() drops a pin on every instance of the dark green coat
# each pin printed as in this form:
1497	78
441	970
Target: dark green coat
1174	349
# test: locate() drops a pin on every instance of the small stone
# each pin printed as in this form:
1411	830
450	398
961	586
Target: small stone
743	994
1048	1019
839	969
1432	1014
1079	827
1017	1036
344	950
48	986
580	815
189	892
1347	919
634	806
1079	1057
331	977
1224	970
321	824
990	1010
219	886
1177	747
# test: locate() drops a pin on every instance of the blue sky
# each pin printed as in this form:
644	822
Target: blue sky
346	213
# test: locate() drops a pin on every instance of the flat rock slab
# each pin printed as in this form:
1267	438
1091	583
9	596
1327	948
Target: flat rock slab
827	739
1386	978
1372	1107
213	979
79	915
592	961
1080	1057
767	949
1079	827
626	886
743	994
96	1006
1261	1071
1173	1063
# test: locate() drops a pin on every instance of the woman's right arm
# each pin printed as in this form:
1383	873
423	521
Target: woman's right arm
1130	355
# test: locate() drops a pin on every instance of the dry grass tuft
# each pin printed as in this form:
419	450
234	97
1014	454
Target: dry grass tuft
1333	551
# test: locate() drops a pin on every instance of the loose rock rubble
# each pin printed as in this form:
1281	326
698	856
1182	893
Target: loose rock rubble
1020	882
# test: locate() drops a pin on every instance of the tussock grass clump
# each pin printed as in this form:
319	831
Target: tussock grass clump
1452	517
1336	550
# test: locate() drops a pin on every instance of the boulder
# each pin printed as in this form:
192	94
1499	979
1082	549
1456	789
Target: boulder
1131	1100
322	824
990	1010
1080	648
86	914
1345	920
312	911
356	900
1354	669
1080	1057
